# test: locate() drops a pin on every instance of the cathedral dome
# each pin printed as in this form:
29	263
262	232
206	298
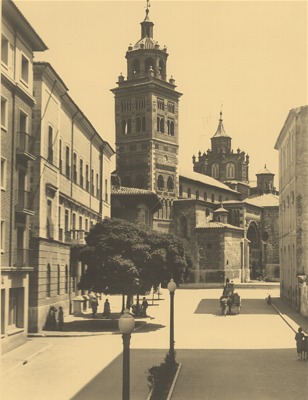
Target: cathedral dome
147	43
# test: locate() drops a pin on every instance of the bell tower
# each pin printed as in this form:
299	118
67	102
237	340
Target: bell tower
146	123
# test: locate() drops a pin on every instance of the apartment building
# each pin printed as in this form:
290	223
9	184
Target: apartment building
71	190
292	144
18	43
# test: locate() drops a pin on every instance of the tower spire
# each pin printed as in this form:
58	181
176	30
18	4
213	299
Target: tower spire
147	24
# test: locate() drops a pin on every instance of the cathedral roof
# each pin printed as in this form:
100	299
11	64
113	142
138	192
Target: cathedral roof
220	129
205	179
264	171
129	190
147	43
264	200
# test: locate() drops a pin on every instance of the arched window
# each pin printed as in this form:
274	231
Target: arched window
213	198
162	125
197	194
170	184
168	127
138	124
230	170
129	126
149	62
123	127
220	198
48	281
58	280
126	181
207	212
215	170
160	183
205	196
172	128
140	181
162	69
189	193
158	124
66	279
143	124
136	66
181	191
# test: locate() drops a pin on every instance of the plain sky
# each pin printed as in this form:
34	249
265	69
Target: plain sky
248	58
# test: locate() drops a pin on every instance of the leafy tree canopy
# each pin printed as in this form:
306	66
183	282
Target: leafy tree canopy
125	258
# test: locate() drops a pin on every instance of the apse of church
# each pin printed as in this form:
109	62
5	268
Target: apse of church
220	162
146	120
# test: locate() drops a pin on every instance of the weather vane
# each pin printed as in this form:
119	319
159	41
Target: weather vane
148	6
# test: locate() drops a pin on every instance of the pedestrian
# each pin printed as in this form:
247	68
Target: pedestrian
60	319
223	305
51	322
305	348
299	337
144	306
106	309
94	305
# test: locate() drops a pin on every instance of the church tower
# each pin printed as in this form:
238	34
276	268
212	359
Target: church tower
146	123
220	162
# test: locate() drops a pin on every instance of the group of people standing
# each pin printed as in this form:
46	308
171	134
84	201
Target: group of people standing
94	306
301	344
52	322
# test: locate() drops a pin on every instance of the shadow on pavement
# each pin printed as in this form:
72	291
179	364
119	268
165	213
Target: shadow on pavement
248	306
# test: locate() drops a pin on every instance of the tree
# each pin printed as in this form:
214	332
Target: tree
125	258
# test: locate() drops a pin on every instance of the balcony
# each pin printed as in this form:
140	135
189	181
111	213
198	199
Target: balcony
79	236
24	147
22	258
23	202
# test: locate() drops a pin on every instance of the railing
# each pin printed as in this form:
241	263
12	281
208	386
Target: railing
23	198
24	142
22	258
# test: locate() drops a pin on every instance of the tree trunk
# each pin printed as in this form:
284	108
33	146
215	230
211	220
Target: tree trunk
137	305
128	301
123	303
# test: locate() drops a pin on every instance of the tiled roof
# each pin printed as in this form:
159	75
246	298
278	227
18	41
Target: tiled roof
218	225
265	200
205	179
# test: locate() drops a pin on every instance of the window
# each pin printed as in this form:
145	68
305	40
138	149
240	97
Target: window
87	178
170	107
50	140
24	69
213	198
170	127
4	112
66	279
160	124
59	280
3	173
2	238
220	198
197	194
66	221
74	221
75	167
48	281
16	307
97	186
143	124
80	222
181	191
170	184
49	222
81	172
86	224
126	126
5	50
106	190
205	196
215	170
60	156
92	182
138	124
160	104
160	183
67	162
189	193
230	169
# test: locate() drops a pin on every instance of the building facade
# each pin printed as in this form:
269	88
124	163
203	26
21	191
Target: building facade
71	191
292	144
19	41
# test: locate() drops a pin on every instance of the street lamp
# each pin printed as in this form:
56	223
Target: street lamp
171	287
126	326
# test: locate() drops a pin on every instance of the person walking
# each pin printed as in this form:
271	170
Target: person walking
299	337
106	309
60	319
144	306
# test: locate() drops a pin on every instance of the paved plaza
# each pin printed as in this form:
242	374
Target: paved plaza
251	355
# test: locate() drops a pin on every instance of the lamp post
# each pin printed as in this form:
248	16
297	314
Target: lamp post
171	287
126	326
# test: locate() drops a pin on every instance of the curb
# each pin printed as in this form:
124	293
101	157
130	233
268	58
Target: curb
283	317
172	385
